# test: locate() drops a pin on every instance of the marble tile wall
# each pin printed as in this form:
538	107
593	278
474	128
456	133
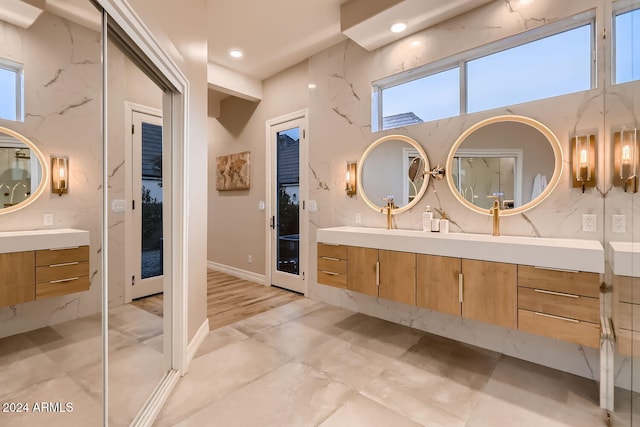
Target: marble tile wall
63	96
340	117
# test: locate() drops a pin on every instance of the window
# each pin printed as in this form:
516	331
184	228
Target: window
11	92
552	66
627	46
552	60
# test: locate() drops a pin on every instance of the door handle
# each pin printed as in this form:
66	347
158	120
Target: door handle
272	222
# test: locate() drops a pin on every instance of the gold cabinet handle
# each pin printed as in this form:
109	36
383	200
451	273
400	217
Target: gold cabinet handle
460	287
330	258
65	264
70	279
330	273
377	273
560	294
566	319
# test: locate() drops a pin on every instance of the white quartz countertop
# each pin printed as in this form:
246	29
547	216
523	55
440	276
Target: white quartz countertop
624	258
567	254
33	240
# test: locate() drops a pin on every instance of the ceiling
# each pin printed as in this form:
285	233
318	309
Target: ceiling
277	34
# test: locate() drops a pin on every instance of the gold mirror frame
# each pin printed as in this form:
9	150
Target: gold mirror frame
420	193
43	164
553	182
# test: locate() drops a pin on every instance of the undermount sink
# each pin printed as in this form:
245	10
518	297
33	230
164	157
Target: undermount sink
567	254
33	240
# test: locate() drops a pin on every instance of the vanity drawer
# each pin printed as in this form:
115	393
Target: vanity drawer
332	251
628	316
628	342
62	271
63	287
333	265
624	287
62	255
332	279
575	331
568	282
559	304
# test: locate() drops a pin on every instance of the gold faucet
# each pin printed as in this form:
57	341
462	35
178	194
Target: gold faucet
495	212
389	208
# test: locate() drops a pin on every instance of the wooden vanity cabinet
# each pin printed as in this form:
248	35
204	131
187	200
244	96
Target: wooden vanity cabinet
438	283
489	292
34	275
397	280
626	314
362	270
560	304
17	278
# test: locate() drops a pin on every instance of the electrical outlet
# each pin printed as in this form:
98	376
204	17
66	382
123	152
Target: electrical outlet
618	223
358	218
47	219
250	259
589	222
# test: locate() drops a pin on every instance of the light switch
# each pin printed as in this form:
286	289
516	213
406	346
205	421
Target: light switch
313	206
118	205
261	205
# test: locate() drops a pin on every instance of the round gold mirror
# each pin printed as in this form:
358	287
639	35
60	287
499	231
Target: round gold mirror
397	166
23	171
514	157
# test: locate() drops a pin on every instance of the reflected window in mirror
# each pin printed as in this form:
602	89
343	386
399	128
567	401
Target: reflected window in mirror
11	88
22	171
513	157
626	47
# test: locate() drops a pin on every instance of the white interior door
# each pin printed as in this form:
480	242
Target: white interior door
147	204
288	215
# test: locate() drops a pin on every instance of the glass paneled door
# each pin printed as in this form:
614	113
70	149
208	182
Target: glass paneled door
288	141
147	204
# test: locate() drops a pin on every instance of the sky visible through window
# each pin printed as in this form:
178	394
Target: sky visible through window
627	47
7	94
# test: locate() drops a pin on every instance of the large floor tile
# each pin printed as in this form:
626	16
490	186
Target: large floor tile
293	395
217	374
360	411
135	322
531	395
219	338
83	410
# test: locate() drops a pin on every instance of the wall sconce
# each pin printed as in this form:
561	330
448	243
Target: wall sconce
59	175
584	161
350	187
625	159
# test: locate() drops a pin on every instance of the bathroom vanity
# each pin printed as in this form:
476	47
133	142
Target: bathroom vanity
42	264
624	262
544	286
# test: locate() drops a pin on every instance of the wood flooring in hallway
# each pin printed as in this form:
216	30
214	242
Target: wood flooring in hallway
229	299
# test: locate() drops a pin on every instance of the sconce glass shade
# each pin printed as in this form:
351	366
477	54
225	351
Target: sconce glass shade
350	179
59	175
626	159
584	161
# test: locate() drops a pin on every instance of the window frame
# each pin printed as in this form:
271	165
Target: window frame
18	69
461	59
620	7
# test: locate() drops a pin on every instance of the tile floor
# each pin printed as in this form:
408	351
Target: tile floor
309	364
302	364
63	363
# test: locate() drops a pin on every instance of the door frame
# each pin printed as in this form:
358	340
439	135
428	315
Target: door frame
270	159
130	233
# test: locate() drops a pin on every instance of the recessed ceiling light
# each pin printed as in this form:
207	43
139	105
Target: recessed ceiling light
236	53
398	27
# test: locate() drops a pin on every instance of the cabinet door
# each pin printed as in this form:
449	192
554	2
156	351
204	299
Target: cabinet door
397	276
361	270
490	292
18	280
437	280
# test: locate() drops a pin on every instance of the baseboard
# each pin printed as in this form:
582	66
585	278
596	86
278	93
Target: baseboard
194	345
238	272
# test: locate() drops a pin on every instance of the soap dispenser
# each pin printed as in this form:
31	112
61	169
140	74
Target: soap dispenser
427	217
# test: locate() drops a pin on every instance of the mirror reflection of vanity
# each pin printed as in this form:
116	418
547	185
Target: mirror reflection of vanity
394	165
23	171
514	157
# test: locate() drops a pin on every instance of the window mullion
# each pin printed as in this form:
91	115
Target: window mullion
463	87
